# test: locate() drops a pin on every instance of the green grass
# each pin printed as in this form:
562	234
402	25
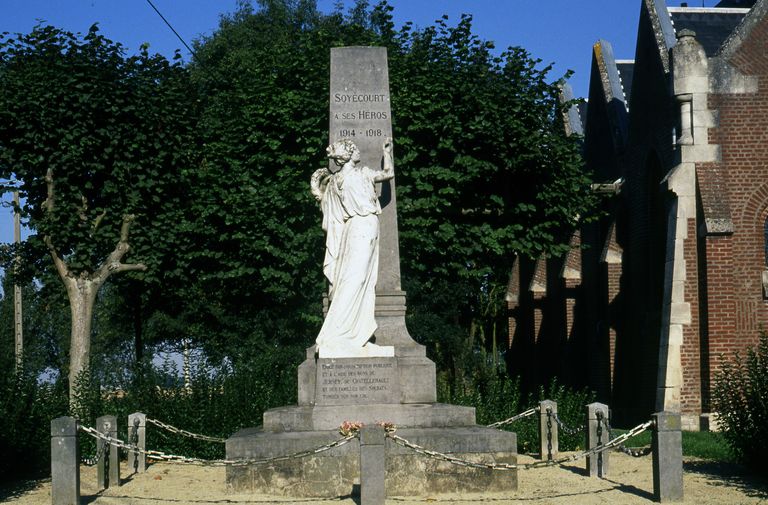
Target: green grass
700	444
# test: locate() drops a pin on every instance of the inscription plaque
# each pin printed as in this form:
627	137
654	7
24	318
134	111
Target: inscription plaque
352	381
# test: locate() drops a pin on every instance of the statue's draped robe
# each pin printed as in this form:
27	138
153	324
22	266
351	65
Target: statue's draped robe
350	218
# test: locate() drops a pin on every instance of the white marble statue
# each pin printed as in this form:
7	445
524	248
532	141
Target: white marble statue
347	196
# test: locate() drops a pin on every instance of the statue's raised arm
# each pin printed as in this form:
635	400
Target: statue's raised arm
389	163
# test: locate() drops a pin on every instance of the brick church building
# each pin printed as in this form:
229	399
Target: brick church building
674	272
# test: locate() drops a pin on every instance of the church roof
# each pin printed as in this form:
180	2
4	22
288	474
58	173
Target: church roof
573	120
712	25
626	70
746	4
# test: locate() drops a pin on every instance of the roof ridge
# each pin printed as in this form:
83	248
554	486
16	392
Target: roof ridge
710	10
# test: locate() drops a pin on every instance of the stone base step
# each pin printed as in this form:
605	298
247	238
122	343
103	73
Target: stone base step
337	472
330	417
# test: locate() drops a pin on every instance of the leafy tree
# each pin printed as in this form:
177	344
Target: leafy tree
486	172
226	225
263	77
484	169
98	143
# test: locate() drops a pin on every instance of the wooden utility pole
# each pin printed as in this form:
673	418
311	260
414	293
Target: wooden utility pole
18	330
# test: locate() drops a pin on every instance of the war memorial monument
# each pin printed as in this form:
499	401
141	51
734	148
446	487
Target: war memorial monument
365	367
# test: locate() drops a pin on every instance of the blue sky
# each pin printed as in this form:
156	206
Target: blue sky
556	31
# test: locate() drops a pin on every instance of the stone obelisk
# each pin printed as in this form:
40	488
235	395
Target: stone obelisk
360	110
399	389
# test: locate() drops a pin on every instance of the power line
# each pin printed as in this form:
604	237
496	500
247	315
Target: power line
171	27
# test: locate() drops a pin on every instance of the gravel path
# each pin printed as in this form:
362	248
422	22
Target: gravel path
630	483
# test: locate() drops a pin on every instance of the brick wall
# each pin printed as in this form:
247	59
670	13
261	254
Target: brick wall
735	301
690	353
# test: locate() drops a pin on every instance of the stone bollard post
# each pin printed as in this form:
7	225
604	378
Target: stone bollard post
108	466
548	430
65	462
667	446
137	435
598	418
372	465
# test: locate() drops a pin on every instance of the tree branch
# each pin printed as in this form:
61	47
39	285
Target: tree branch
48	203
83	214
61	267
127	267
113	263
97	222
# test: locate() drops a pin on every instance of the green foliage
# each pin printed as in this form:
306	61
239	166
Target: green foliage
571	409
706	445
115	133
27	409
496	397
218	401
740	398
214	159
92	137
484	168
699	444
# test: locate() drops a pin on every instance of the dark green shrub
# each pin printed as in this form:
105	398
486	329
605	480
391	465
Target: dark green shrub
27	409
740	398
217	402
497	397
571	409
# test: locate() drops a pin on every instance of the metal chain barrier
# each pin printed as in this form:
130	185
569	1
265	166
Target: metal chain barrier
96	457
184	433
600	420
549	433
507	466
566	429
135	432
635	453
512	419
161	456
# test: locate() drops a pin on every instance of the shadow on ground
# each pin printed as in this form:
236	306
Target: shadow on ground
730	475
15	489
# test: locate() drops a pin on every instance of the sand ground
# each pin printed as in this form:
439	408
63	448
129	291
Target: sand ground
630	482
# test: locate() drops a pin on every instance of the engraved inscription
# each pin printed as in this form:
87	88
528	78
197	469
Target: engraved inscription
350	381
360	101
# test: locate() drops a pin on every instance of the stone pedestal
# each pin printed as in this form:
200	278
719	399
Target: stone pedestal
410	379
337	472
400	390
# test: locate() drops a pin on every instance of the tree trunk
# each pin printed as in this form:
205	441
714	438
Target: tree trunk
83	287
82	290
82	297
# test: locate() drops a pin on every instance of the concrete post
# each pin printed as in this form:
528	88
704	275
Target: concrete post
65	462
108	466
598	418
137	434
667	445
372	465
548	430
